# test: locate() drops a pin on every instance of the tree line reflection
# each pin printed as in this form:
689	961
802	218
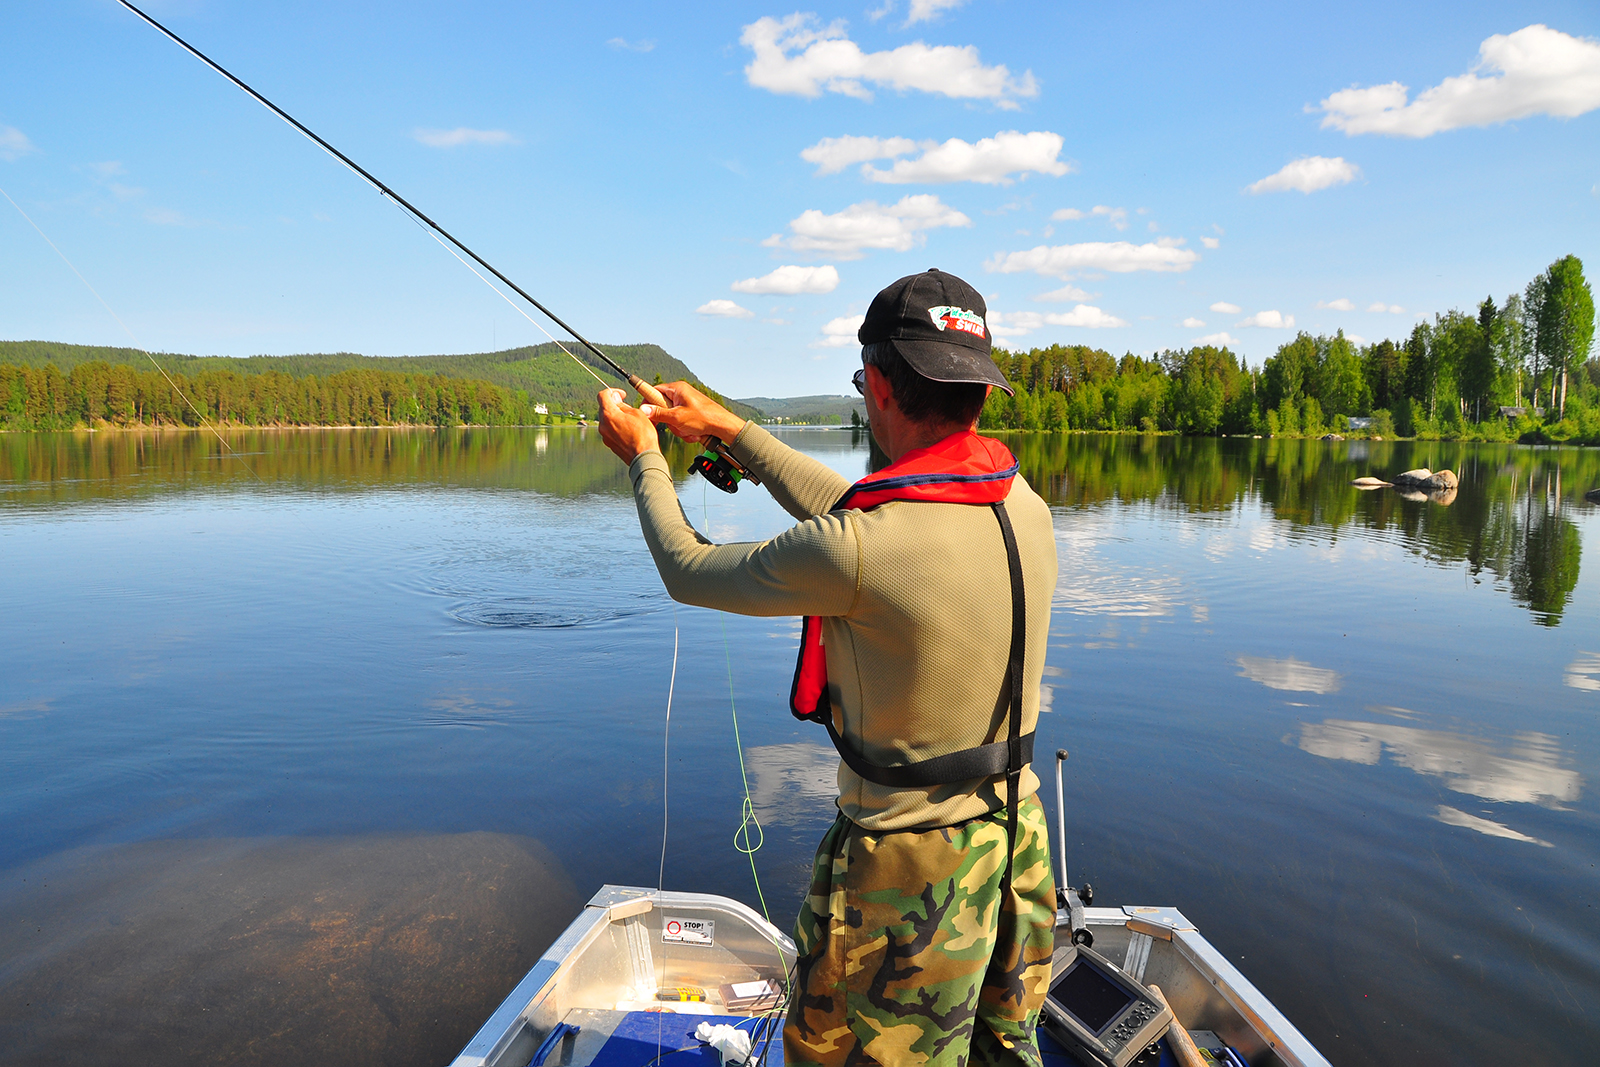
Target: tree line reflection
1512	515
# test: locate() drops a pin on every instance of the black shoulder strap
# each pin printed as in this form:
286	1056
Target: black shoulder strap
1006	757
1019	651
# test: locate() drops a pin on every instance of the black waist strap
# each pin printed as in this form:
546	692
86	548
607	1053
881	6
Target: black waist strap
984	761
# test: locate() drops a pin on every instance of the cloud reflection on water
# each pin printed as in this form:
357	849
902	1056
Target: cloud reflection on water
1456	817
1529	774
1090	584
787	782
1584	672
1289	674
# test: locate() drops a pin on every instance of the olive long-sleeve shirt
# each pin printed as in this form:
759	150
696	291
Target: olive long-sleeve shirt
916	605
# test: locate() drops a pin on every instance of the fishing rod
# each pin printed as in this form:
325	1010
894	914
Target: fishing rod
716	463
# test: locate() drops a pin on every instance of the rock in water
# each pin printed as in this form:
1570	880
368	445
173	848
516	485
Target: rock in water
1592	496
386	950
1370	483
1423	478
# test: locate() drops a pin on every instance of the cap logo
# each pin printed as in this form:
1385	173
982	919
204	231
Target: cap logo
957	319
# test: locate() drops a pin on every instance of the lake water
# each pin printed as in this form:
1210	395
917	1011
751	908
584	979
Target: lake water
306	754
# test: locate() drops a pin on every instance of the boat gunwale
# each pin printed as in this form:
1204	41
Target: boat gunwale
1254	1008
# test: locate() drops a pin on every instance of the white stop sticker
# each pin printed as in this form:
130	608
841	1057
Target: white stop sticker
689	931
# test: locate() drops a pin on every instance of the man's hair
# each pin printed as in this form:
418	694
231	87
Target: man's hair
923	399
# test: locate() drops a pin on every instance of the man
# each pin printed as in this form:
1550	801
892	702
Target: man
927	590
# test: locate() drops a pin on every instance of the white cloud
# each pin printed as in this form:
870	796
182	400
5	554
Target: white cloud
1355	339
1117	257
1270	320
461	135
840	332
108	169
1084	316
1307	175
14	144
799	56
833	154
791	280
1066	292
1192	323
990	161
631	46
1117	216
1341	304
1211	242
1226	308
166	216
848	234
1393	309
723	309
1534	71
926	10
1221	340
1002	326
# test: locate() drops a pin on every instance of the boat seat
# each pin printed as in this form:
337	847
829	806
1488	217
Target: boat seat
641	1038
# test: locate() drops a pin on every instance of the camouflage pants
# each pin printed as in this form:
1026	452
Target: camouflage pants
909	956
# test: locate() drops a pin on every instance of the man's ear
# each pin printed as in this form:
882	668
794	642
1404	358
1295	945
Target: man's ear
878	384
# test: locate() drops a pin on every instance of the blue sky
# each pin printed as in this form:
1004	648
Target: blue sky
735	181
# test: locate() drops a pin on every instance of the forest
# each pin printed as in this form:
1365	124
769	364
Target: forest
1516	370
49	386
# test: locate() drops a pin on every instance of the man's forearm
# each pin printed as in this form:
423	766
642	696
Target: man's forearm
801	486
809	570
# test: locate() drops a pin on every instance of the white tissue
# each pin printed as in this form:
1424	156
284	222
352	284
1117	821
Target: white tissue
731	1043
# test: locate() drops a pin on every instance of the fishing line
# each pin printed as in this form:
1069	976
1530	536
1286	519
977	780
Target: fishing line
661	872
399	201
520	310
666	734
137	346
747	810
716	462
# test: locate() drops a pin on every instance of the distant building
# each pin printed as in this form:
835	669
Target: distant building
541	409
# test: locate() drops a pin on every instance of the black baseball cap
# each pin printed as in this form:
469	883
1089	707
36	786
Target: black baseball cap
936	322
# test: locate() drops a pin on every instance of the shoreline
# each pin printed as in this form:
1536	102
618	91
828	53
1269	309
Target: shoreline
234	426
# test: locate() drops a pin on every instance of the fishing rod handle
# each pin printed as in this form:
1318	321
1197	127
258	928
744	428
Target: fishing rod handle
650	393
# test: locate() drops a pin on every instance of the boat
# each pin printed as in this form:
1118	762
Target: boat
640	972
590	999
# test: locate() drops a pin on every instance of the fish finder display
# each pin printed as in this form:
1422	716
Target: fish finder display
1091	997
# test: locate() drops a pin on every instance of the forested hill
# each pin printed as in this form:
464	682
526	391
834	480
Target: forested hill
542	371
824	409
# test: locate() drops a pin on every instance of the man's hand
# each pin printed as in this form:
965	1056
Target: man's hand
694	416
626	431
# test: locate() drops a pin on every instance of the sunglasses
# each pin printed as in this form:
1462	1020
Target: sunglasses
859	380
